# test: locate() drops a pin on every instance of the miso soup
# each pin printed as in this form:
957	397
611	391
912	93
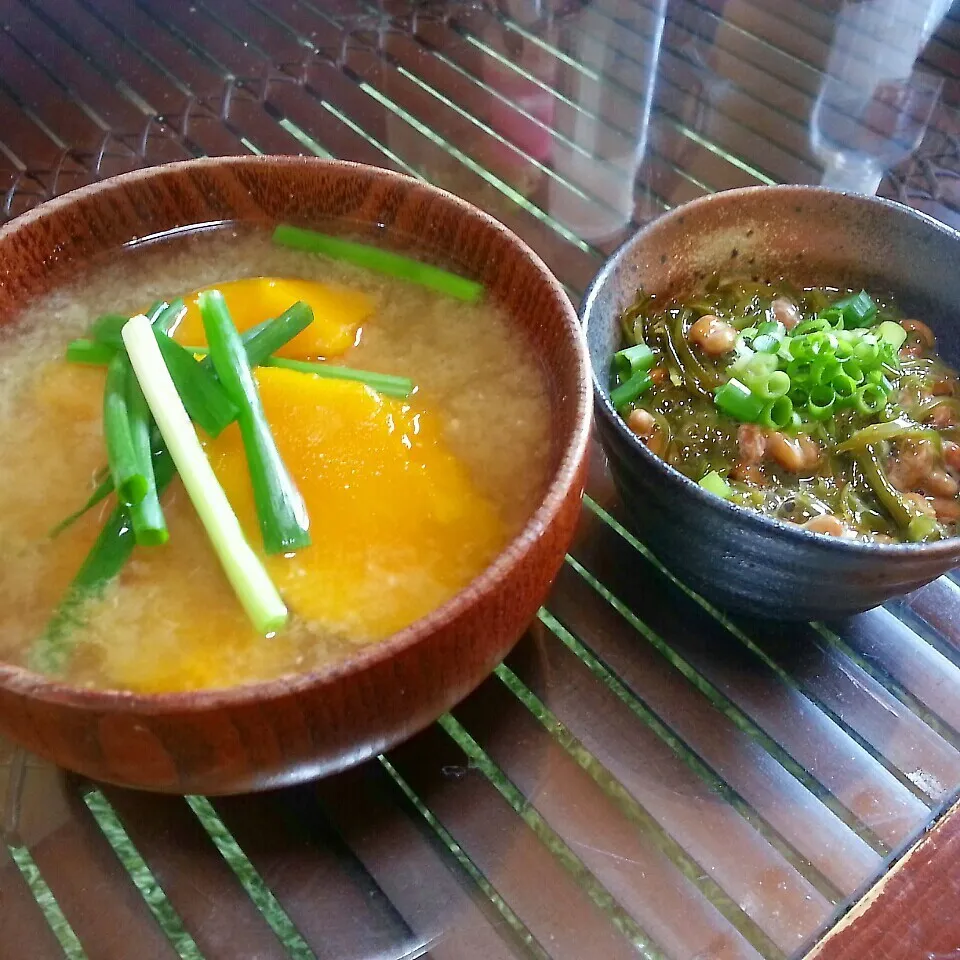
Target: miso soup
409	498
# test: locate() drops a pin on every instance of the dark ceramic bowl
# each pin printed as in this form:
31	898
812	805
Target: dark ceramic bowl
734	556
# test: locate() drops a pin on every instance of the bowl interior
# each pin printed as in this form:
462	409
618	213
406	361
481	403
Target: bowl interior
807	235
54	242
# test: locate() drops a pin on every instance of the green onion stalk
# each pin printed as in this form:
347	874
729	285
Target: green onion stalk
116	540
380	261
259	343
246	573
280	508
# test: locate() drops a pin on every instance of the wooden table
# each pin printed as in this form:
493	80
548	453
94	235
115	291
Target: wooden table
644	775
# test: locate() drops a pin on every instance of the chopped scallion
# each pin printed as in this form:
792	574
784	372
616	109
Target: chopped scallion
90	352
774	385
713	483
243	568
629	361
385	383
867	350
766	343
820	324
768	386
870	399
103	490
844	387
760	365
106	329
821	401
125	465
736	400
168	317
858	309
778	414
628	391
106	559
149	526
379	260
892	333
208	404
258	342
772	328
267	338
280	508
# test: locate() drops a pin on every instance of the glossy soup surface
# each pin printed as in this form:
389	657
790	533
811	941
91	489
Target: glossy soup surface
408	500
883	468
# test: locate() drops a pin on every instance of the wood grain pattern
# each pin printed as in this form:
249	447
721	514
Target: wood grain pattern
911	913
288	730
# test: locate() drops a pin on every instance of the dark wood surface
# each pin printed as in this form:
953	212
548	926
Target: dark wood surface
909	912
643	776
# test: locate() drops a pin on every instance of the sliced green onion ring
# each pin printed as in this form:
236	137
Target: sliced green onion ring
821	402
778	414
892	333
713	483
736	400
870	399
844	387
632	359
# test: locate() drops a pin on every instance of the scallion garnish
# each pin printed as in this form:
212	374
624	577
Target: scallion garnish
243	568
149	525
715	484
168	316
858	309
90	352
266	338
207	402
106	329
639	357
126	467
103	490
777	414
821	401
379	260
104	341
385	383
106	559
736	400
259	342
629	391
280	508
870	399
892	333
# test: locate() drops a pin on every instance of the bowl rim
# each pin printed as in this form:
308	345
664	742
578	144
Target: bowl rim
752	519
23	681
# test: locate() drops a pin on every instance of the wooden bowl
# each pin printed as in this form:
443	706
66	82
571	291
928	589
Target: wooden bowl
294	728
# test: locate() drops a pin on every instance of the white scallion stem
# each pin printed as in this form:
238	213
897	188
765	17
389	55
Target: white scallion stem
243	568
